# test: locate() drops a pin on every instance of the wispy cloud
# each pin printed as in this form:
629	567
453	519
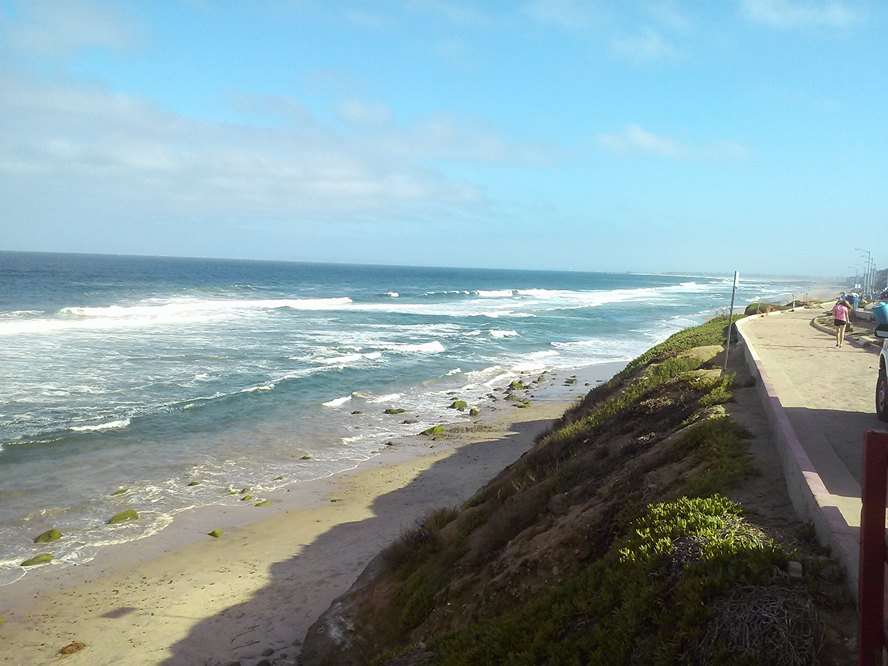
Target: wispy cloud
669	15
570	14
800	13
365	19
80	143
361	112
42	27
635	140
452	10
646	45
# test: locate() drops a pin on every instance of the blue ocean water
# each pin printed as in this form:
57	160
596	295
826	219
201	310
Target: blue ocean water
142	373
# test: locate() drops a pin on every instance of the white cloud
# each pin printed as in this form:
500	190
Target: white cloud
635	140
364	113
646	45
800	13
365	19
667	13
57	28
69	144
457	12
571	14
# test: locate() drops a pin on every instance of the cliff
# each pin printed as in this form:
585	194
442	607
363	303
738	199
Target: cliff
637	530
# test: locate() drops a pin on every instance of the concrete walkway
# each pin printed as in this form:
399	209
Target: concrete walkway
819	401
828	393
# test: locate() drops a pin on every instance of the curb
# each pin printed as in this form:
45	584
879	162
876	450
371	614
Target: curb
869	345
807	491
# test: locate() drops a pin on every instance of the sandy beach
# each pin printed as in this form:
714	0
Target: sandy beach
183	597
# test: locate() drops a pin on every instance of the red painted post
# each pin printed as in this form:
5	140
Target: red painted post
871	585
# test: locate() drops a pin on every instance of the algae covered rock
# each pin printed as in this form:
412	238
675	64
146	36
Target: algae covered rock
434	431
119	491
461	405
264	502
42	558
394	410
215	533
517	385
123	517
47	536
305	457
474	411
246	498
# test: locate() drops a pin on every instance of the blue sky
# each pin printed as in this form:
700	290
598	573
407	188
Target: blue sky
649	135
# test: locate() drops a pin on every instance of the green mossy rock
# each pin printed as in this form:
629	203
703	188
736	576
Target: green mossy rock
461	405
123	517
215	533
47	536
246	498
394	410
474	411
517	385
244	491
42	558
305	458
263	503
434	431
119	491
194	483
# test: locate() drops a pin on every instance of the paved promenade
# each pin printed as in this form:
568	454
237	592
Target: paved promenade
827	394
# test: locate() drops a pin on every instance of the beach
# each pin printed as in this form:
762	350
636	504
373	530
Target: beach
279	406
183	597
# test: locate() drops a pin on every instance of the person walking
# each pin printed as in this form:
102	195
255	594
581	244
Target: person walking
841	316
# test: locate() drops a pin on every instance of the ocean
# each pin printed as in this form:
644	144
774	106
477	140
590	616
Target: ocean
144	374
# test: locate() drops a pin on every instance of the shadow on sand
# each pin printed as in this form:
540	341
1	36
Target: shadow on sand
272	624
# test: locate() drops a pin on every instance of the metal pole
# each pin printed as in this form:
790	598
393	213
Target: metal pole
871	576
731	320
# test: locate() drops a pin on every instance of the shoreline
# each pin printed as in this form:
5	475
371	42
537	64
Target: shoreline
182	593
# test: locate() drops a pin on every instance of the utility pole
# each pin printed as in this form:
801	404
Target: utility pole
731	320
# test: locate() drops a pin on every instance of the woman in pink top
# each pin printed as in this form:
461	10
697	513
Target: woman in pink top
841	313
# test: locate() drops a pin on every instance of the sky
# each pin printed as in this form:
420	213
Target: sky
652	135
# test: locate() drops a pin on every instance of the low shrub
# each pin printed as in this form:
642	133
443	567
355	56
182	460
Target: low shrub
763	308
679	555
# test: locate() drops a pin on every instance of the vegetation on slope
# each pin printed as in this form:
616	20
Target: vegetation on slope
609	542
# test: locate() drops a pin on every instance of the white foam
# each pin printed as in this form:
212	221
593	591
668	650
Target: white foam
454	371
161	313
495	293
342	360
486	373
434	347
388	397
497	333
337	402
534	361
392	294
260	388
603	348
110	425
